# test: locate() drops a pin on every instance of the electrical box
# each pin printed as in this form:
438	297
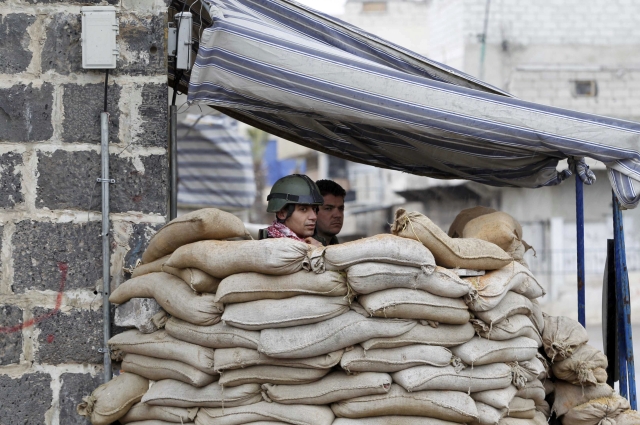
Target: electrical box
183	57
172	39
99	30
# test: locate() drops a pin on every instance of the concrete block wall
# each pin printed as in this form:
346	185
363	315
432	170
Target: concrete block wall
50	244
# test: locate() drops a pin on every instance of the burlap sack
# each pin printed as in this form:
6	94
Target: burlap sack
601	411
498	228
494	285
162	346
549	386
144	314
521	408
271	374
272	412
528	371
207	223
239	358
175	297
562	336
153	422
630	417
380	248
331	335
403	303
334	387
509	328
214	336
480	351
469	380
153	267
393	420
173	393
586	366
447	405
499	398
457	227
488	415
144	412
543	408
285	313
533	390
511	304
568	396
365	278
473	254
441	335
538	419
394	359
198	280
111	401
279	256
244	287
158	369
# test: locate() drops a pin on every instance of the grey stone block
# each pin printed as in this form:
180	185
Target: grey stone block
10	180
14	43
74	387
25	113
11	338
153	111
26	399
138	242
82	2
73	337
143	49
62	50
82	108
138	313
42	250
67	180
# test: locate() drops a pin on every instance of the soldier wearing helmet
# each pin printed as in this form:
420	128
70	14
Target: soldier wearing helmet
295	200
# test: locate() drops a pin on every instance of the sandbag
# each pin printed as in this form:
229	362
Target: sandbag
403	303
601	411
207	223
457	227
549	387
521	408
394	359
162	346
586	366
562	336
154	266
511	304
543	408
533	390
480	351
288	312
331	335
111	401
498	398
244	287
498	228
528	371
538	419
144	412
511	327
175	297
393	420
273	256
158	369
568	396
198	280
365	278
144	314
470	380
169	392
238	358
472	254
292	414
270	374
494	285
332	388
219	335
629	417
152	422
447	405
382	248
488	415
441	335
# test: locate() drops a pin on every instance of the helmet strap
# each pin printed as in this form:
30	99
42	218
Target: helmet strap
290	209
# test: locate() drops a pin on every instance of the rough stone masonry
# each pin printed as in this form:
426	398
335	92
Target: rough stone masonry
50	244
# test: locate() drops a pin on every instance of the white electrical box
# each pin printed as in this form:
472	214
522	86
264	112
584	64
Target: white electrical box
183	57
99	30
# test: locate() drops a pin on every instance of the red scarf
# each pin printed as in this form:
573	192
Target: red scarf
279	230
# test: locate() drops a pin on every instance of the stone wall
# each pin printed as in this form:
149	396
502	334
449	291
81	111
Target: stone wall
50	244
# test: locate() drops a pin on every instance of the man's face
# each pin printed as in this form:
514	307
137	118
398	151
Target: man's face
331	215
303	220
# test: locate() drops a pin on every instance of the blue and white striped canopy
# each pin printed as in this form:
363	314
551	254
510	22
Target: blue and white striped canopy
317	81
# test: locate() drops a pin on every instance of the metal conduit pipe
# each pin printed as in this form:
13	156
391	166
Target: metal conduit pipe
173	162
106	249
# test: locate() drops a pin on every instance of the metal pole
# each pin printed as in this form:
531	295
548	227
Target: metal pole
173	164
106	249
580	249
625	341
483	47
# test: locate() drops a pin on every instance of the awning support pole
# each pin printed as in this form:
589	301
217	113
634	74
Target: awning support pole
580	248
625	338
173	162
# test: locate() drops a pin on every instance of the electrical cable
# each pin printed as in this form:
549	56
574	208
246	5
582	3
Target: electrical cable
106	85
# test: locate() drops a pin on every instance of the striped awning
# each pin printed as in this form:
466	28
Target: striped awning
322	83
215	166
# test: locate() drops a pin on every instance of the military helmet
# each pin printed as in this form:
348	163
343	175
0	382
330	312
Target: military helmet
293	189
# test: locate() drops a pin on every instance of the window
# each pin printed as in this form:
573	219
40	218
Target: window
585	88
374	6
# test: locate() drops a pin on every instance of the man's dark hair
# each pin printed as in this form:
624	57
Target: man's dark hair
329	187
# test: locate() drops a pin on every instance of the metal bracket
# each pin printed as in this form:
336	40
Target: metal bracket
103	350
112	181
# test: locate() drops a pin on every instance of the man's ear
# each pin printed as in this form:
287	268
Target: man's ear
282	214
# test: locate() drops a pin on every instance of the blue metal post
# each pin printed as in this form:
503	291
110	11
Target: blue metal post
625	338
580	241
